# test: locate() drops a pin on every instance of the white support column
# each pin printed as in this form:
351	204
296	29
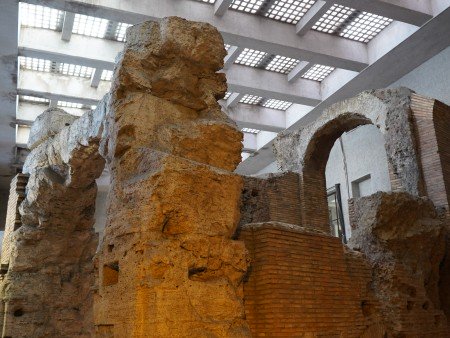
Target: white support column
299	70
234	99
96	77
233	54
311	17
221	6
69	18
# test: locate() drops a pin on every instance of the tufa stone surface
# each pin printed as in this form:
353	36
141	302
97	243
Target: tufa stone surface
402	239
47	290
167	266
48	124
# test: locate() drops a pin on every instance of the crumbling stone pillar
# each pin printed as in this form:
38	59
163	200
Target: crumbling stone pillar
47	290
167	266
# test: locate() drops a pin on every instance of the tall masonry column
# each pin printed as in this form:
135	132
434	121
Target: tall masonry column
167	265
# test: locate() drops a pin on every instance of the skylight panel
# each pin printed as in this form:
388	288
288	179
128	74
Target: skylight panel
227	95
289	11
75	70
318	72
276	104
40	17
66	104
251	99
34	99
250	130
106	75
90	26
334	19
121	31
40	65
250	57
248	6
365	27
282	64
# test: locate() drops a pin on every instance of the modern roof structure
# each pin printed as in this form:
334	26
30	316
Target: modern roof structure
287	59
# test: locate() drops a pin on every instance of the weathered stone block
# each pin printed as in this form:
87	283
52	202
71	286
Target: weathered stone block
48	124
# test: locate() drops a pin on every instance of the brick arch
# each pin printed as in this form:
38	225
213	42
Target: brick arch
306	150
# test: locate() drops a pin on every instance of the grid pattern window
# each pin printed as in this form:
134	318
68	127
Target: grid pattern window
276	104
227	95
106	75
248	6
121	31
365	27
34	99
66	104
289	11
250	130
90	26
250	57
318	72
40	17
75	70
282	64
40	65
251	99
334	19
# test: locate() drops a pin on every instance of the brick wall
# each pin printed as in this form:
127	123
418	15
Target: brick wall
303	284
16	196
273	198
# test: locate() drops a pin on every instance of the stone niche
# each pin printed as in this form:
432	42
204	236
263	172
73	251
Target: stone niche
191	249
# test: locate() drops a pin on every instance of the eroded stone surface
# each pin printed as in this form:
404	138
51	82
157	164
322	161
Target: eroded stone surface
48	124
402	239
167	265
47	290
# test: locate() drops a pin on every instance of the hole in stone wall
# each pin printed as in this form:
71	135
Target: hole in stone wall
110	274
18	313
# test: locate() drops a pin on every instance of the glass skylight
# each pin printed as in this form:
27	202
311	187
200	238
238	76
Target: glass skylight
276	104
250	130
121	31
28	98
251	99
365	27
290	11
70	104
40	65
90	26
227	95
248	6
250	57
75	70
334	19
106	75
282	64
318	72
40	17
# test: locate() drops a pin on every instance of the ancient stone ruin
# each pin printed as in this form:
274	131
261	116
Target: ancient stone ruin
191	249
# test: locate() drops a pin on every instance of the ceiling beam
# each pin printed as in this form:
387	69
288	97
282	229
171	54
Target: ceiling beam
83	50
221	7
312	16
257	117
420	46
237	28
407	11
